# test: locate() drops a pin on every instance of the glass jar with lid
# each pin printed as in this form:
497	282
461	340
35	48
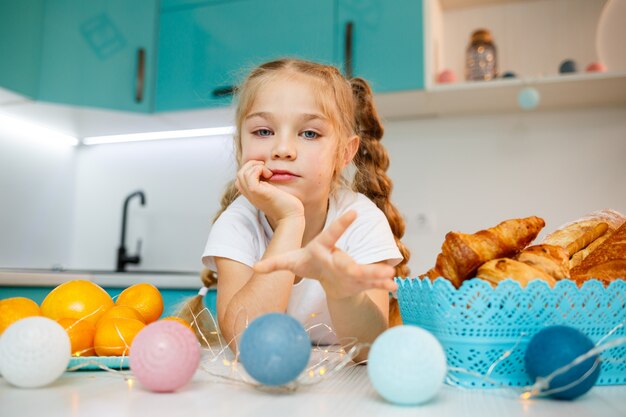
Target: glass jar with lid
480	57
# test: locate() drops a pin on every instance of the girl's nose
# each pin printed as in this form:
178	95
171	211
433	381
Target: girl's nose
284	147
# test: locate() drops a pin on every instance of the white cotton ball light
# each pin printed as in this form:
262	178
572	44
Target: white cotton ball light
34	352
407	365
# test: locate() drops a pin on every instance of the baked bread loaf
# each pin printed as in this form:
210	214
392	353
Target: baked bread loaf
607	262
462	254
551	259
580	237
498	270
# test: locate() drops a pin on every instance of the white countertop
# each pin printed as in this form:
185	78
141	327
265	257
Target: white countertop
346	393
161	279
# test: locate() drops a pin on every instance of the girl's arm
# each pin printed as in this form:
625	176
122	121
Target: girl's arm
357	295
363	316
244	295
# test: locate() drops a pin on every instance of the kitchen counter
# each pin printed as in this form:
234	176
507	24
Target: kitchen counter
346	393
42	277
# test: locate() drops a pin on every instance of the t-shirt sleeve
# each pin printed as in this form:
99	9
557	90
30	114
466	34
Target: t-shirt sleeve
370	239
232	236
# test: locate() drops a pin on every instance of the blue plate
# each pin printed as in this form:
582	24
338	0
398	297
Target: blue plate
98	363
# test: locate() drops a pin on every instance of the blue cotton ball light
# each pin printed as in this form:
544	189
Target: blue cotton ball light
528	98
555	347
274	349
407	365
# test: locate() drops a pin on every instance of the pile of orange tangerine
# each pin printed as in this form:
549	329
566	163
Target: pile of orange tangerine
95	324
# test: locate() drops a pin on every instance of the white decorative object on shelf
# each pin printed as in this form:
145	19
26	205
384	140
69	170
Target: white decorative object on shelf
611	34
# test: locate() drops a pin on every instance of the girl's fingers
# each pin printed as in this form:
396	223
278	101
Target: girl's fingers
266	173
368	275
251	176
330	236
244	171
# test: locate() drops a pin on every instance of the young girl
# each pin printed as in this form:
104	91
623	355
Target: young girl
294	235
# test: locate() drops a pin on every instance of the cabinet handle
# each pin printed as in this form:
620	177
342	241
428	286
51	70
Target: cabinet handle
229	90
347	58
141	72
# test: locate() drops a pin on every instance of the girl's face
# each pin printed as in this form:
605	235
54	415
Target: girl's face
287	130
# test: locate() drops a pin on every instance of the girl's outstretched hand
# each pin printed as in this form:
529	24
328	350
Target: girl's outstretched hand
338	273
275	203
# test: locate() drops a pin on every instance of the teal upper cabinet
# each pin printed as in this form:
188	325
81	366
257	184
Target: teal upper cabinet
99	53
20	45
205	50
384	41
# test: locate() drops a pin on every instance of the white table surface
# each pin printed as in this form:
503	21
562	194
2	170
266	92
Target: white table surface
346	393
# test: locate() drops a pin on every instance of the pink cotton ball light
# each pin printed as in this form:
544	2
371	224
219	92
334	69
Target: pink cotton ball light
164	356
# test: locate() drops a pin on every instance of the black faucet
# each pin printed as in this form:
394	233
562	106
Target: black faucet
122	257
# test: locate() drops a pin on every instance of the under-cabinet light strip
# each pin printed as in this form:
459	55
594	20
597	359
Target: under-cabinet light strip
29	128
173	134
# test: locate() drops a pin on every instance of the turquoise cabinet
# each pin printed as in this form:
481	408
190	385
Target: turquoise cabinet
387	42
207	49
99	53
20	45
171	4
164	55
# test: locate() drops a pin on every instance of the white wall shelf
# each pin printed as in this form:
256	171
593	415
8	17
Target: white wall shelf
500	96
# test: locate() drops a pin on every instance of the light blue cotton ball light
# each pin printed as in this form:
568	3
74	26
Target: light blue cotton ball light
407	365
528	98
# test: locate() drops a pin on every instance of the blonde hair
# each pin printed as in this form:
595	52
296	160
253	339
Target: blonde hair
349	105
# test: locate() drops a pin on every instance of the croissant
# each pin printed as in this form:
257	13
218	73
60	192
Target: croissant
462	254
498	270
553	260
607	262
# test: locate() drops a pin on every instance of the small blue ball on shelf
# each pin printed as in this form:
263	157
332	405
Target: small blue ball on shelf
528	98
568	66
274	349
556	347
509	74
407	365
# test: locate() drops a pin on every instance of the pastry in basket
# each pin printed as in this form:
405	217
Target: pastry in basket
581	237
498	270
551	259
607	262
462	254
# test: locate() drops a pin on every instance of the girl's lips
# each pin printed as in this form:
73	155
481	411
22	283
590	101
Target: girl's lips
282	176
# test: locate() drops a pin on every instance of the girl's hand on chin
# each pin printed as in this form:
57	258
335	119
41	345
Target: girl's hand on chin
338	273
275	203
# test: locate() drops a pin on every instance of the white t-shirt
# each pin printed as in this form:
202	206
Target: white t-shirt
242	233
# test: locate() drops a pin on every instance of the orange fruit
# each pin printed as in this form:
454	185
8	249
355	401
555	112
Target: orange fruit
15	308
77	299
178	319
145	298
81	333
123	312
115	335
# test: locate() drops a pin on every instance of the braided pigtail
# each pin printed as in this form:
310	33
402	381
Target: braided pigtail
372	162
194	312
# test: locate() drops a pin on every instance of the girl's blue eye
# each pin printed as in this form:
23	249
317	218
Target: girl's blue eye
309	134
263	132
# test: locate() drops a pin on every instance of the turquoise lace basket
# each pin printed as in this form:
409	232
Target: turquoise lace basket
478	324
